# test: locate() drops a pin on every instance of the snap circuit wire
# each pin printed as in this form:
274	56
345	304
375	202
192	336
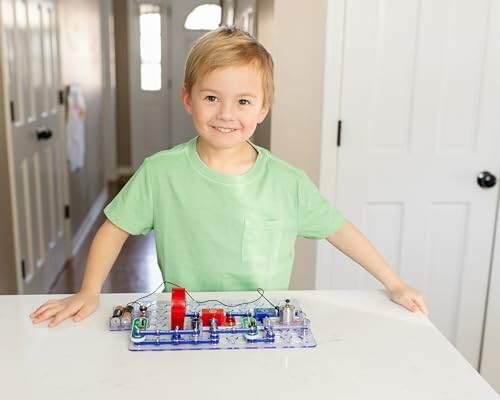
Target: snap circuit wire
259	290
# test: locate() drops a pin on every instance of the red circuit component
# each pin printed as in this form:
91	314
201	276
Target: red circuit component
210	313
230	320
178	308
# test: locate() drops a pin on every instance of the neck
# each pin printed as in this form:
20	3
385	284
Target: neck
232	161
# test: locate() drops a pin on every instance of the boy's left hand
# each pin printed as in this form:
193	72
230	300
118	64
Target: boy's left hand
409	298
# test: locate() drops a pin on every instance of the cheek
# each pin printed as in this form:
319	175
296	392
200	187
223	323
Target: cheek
201	113
252	119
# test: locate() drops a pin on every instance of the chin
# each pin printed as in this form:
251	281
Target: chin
225	140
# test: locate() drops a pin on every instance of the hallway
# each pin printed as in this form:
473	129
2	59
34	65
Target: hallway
135	270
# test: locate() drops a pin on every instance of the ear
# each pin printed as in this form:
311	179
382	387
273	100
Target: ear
263	113
186	100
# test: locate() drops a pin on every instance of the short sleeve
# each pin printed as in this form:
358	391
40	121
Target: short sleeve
132	208
317	218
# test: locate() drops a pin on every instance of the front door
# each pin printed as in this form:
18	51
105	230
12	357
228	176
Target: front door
149	65
420	122
37	142
159	43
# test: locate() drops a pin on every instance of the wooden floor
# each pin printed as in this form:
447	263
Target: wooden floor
135	270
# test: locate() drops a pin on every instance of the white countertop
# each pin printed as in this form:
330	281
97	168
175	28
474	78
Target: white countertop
368	348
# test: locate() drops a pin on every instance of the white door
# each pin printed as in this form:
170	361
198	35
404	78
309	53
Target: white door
37	141
149	77
420	98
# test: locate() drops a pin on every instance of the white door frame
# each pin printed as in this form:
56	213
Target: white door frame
332	93
68	244
133	72
490	352
4	98
108	92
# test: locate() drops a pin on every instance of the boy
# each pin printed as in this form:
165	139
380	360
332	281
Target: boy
226	213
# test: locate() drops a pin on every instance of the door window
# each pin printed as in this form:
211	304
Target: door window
150	46
205	17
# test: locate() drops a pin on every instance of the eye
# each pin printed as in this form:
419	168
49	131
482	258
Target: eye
211	99
243	102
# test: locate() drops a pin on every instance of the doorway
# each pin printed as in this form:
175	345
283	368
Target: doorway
159	40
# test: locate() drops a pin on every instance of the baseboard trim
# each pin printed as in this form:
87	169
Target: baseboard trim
89	220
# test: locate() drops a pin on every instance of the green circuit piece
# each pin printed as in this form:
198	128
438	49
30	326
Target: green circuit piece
140	323
249	322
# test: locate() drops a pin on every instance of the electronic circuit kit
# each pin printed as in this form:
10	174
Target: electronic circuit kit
188	324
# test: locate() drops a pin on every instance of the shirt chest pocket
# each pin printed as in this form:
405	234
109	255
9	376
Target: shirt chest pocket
261	240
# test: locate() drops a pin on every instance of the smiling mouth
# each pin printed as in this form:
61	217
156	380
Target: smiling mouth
223	130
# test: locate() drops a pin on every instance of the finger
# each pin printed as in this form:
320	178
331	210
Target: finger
47	313
62	315
84	312
45	306
409	304
40	309
422	306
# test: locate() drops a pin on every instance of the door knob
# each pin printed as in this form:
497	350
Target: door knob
486	180
43	134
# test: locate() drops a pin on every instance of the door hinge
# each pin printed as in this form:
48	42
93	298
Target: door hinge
169	11
23	269
61	97
66	211
339	132
12	115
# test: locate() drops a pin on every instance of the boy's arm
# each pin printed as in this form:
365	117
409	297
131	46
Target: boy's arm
104	250
350	241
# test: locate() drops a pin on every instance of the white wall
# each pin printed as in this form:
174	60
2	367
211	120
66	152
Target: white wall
81	63
298	50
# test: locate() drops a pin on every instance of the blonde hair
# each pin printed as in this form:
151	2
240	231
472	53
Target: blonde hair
225	47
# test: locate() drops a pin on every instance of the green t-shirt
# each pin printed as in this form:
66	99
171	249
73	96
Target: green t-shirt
216	232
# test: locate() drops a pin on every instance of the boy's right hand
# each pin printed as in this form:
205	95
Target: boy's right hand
79	306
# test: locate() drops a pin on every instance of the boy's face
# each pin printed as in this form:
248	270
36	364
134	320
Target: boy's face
226	105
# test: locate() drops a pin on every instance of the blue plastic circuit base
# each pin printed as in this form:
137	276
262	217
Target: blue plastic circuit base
152	331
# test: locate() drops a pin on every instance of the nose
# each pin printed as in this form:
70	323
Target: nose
225	111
